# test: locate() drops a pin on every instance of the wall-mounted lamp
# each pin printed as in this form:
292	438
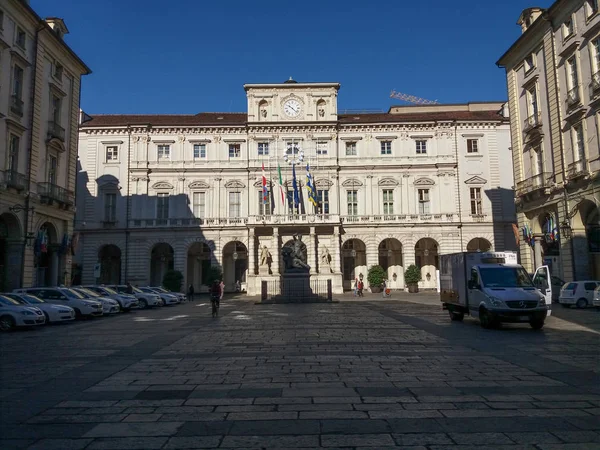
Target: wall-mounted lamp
235	256
353	253
566	230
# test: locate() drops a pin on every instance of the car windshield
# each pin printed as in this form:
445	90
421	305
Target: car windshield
137	290
160	289
8	301
146	289
504	277
87	292
108	290
26	299
72	293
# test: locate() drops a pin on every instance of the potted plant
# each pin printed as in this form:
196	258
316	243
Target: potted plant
376	276
214	273
173	280
412	276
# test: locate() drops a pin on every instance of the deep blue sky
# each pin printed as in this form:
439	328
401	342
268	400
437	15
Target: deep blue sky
188	56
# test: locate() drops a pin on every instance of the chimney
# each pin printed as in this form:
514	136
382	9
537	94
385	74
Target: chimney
58	26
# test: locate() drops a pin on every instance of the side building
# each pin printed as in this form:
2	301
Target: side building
553	79
157	192
39	110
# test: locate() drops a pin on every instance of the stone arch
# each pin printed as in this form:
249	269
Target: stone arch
427	251
479	244
11	251
391	258
585	225
162	259
109	256
354	261
235	264
199	260
46	250
263	109
321	111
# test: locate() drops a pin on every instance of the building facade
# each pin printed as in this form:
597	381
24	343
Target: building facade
186	192
553	79
39	110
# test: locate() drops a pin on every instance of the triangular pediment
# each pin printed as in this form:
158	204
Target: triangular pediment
475	180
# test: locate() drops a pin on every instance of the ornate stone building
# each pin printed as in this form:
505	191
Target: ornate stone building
186	191
39	111
553	76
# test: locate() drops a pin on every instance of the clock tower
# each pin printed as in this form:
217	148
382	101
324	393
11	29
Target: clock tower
291	101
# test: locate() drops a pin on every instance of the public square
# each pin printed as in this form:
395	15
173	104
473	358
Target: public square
358	373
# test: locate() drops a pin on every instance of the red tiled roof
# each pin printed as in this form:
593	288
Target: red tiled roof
239	119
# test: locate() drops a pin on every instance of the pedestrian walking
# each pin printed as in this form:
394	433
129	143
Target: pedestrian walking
356	287
190	295
129	288
360	288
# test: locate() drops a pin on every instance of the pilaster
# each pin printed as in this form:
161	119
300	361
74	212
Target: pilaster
312	251
275	254
251	252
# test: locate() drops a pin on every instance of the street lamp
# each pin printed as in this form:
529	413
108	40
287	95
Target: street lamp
566	229
235	256
353	253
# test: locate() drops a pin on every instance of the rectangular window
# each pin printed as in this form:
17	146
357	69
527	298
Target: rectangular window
13	155
55	109
352	197
537	160
472	145
21	38
17	88
388	202
351	149
235	150
52	168
572	73
110	207
199	204
424	205
476	201
264	209
596	55
164	151
568	28
263	149
162	205
386	147
421	147
112	153
592	7
578	143
1	20
57	71
199	151
529	63
235	204
321	147
323	199
532	103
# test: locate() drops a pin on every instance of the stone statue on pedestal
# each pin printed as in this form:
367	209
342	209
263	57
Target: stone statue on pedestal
325	261
265	259
294	257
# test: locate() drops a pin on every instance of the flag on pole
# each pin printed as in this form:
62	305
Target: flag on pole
312	194
280	184
295	186
265	190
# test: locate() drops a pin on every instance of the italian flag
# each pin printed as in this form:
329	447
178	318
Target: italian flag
281	185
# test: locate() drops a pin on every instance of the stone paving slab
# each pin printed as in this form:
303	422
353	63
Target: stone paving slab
360	374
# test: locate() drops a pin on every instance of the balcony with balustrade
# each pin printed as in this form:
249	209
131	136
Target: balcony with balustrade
577	169
55	131
50	193
16	105
187	222
532	122
595	84
573	97
540	181
407	219
13	179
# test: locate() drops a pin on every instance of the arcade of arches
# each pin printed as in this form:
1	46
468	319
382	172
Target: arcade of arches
11	251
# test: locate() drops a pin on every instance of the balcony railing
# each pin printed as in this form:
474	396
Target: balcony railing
56	131
16	105
181	222
13	179
283	219
595	83
539	181
399	218
533	121
51	192
577	169
573	97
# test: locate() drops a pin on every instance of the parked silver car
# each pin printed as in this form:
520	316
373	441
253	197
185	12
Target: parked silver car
64	296
126	301
54	313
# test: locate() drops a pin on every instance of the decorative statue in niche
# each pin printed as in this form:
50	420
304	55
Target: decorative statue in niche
294	257
321	112
265	257
325	261
263	113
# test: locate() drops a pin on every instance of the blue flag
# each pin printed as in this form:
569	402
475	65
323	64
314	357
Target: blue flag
312	194
295	186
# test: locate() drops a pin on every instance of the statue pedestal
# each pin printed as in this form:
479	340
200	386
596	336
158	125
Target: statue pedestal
295	287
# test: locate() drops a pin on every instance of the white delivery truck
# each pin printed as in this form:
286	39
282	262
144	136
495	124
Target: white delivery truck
490	286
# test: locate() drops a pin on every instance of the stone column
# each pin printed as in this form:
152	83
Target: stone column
537	251
251	253
336	263
312	251
275	252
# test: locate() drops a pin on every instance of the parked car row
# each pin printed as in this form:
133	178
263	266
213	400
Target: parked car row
30	307
580	294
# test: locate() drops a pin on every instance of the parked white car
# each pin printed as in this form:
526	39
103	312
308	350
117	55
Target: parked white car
109	306
63	296
145	299
180	296
126	301
168	299
13	314
578	293
596	299
54	313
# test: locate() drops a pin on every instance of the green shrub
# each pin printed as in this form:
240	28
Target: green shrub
376	276
412	275
173	280
214	273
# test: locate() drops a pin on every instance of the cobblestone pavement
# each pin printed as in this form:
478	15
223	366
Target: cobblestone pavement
351	375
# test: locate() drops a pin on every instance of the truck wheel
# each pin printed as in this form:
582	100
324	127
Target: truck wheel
582	303
485	319
456	316
536	324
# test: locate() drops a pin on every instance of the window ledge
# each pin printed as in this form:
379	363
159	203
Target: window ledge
473	155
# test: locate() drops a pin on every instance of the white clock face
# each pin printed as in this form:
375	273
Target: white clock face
292	108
